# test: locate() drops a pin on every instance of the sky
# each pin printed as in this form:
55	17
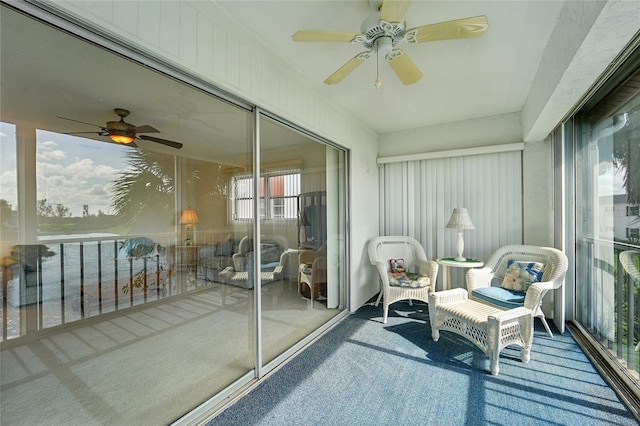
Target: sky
70	170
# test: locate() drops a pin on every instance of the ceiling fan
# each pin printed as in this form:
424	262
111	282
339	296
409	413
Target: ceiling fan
125	133
384	29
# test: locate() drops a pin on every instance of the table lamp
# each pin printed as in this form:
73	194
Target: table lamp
460	221
188	218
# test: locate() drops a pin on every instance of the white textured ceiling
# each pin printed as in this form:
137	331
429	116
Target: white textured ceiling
462	79
492	75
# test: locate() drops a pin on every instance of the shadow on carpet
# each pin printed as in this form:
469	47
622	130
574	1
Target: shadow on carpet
363	372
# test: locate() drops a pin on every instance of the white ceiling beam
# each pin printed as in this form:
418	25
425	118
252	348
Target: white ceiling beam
587	38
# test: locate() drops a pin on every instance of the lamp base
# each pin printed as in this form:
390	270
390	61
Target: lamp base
459	247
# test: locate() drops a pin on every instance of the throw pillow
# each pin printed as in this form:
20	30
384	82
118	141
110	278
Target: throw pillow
396	265
521	274
136	248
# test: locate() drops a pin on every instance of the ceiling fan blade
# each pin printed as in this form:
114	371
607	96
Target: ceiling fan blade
84	133
394	10
172	144
78	121
403	67
460	28
146	129
313	35
347	68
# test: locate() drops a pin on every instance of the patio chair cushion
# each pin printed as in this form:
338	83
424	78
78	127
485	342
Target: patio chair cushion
405	279
521	274
500	296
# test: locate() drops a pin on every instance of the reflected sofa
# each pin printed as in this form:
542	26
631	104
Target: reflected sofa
213	258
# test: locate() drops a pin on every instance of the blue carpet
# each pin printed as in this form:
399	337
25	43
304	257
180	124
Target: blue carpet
363	372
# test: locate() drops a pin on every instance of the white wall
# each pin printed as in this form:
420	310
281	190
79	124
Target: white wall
537	196
197	37
494	130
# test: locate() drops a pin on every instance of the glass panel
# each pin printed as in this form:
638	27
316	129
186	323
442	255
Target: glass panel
608	194
116	294
8	220
8	184
310	176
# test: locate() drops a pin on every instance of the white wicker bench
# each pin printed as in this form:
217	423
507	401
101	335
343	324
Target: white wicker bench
488	327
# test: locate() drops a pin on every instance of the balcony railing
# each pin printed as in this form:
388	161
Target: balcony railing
608	302
49	285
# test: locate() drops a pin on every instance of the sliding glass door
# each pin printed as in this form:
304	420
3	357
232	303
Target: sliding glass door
302	206
607	293
134	285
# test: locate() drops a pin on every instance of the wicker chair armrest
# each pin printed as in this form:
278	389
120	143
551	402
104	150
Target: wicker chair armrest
535	293
277	272
382	271
478	278
448	296
428	268
239	261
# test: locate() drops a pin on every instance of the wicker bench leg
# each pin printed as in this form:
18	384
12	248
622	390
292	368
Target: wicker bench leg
494	365
493	344
435	334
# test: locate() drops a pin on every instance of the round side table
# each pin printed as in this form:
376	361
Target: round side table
450	262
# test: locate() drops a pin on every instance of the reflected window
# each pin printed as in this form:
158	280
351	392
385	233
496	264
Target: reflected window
278	191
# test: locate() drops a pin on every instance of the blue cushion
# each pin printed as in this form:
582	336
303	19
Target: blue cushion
500	296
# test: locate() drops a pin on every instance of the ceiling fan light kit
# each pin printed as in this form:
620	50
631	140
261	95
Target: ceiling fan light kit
384	29
125	133
124	139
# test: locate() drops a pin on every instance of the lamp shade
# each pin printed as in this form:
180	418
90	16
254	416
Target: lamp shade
460	219
189	216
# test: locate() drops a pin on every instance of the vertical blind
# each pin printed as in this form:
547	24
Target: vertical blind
417	198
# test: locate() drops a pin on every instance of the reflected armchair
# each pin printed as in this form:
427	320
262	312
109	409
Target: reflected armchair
382	250
312	273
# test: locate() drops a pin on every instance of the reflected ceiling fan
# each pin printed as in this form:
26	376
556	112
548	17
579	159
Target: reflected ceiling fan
384	29
125	133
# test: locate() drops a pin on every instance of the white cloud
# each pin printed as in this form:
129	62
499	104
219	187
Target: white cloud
47	145
9	187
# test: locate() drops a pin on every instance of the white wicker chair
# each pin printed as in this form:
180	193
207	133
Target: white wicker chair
555	268
382	249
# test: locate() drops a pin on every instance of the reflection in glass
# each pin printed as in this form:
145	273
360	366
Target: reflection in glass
8	184
307	293
126	305
608	195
